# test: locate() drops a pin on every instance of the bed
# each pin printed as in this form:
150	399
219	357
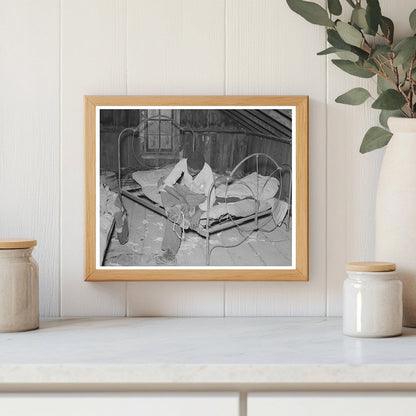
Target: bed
249	203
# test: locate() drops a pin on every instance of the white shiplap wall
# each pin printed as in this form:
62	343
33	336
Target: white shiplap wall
30	134
55	52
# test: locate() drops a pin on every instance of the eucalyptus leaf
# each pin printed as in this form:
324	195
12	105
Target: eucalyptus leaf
373	15
327	51
360	52
356	96
405	50
358	18
336	41
350	56
412	20
375	138
387	27
389	100
383	84
386	114
347	55
381	50
311	12
351	3
349	34
370	65
334	7
352	68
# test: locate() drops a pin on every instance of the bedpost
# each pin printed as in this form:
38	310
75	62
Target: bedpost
256	213
207	247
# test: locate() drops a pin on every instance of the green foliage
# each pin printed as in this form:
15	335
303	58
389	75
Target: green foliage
311	12
387	27
375	138
355	96
352	68
373	16
343	54
358	19
383	84
336	41
366	47
386	114
412	20
389	100
381	51
327	51
405	51
334	7
349	34
347	56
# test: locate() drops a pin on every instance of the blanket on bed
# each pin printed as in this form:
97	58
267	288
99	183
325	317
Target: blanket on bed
253	185
244	192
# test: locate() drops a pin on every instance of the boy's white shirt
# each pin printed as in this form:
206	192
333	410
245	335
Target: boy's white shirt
200	184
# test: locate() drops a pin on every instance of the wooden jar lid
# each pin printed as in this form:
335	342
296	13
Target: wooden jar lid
11	243
371	266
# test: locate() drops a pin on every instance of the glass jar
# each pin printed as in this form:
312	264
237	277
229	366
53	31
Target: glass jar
19	286
372	300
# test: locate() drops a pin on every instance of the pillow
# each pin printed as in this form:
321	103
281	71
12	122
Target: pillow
147	178
247	187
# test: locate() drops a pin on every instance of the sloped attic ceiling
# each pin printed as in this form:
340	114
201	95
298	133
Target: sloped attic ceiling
273	124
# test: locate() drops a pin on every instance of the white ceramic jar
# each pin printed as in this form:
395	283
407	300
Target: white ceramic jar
19	286
372	300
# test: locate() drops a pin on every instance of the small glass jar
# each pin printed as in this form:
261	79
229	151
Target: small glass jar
372	300
19	286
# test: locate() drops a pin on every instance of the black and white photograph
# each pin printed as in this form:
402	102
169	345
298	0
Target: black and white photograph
195	187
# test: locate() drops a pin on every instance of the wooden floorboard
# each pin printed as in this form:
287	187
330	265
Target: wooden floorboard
191	252
281	238
146	230
242	255
220	256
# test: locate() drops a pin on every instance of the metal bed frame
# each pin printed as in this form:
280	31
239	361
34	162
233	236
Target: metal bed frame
230	222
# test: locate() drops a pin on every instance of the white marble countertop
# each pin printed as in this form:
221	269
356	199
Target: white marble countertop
204	351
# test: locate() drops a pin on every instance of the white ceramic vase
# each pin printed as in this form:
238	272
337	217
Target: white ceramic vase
396	210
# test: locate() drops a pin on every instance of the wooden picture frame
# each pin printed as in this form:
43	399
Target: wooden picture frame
255	117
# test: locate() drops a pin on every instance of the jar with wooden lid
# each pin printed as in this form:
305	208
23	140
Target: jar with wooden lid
19	286
372	300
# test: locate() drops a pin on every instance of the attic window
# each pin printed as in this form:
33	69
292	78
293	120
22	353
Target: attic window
159	133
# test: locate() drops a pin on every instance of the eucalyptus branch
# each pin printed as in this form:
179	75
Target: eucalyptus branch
366	43
384	73
412	85
366	39
386	37
406	97
395	71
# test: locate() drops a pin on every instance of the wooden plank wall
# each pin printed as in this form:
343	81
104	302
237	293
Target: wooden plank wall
54	52
225	142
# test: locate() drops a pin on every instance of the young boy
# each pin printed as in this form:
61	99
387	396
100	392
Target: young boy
188	183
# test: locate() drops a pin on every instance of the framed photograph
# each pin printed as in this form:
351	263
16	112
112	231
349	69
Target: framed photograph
196	188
